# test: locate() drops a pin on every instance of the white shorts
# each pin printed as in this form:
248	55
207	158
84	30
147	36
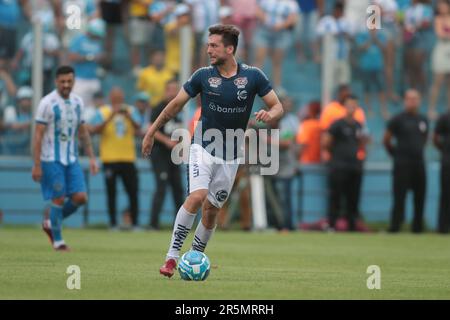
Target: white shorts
211	173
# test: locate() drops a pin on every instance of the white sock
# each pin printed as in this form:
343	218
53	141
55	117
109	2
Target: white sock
56	244
201	238
182	226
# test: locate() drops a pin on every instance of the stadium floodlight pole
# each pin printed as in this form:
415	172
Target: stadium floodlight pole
37	77
186	64
328	60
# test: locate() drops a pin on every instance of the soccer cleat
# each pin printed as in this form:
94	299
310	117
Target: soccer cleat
169	267
62	248
48	231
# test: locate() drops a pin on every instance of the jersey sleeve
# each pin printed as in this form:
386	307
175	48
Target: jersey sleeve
194	85
263	86
43	113
82	111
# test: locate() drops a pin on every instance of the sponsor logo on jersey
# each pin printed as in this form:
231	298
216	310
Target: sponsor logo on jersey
214	82
63	137
221	195
218	108
242	95
241	82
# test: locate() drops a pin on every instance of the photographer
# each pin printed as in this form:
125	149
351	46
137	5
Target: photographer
117	125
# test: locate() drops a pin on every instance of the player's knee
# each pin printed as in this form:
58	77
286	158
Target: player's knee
79	198
195	200
58	201
210	208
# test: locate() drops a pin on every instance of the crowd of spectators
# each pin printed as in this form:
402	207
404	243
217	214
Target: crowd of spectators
411	49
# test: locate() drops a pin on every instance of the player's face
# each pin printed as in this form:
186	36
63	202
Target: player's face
412	100
217	51
116	96
351	105
64	84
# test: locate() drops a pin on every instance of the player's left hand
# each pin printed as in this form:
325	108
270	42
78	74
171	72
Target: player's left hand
264	116
93	166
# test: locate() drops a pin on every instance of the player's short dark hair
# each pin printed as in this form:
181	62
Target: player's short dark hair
64	70
229	33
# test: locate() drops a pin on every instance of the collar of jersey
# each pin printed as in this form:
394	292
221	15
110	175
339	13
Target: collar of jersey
216	70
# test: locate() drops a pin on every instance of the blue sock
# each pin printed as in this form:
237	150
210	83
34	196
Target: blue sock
68	208
56	217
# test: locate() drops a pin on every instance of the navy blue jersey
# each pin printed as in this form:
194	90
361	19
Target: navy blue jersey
226	102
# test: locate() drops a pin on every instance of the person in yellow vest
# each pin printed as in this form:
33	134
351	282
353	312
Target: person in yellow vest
117	125
153	78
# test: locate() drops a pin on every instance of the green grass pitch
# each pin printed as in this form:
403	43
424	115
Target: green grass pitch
265	265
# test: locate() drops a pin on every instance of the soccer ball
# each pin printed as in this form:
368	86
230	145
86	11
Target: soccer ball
194	265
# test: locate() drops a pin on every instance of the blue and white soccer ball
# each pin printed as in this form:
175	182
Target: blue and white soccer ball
194	265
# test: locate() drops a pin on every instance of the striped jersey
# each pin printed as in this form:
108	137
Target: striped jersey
205	13
278	11
62	118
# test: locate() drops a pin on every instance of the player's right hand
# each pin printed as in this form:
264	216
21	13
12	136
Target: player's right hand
147	145
36	173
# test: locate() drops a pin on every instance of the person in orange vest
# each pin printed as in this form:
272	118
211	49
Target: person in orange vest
308	135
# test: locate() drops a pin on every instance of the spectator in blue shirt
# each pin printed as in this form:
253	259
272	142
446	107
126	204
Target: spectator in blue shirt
17	122
9	21
277	19
86	53
23	61
7	86
371	46
418	38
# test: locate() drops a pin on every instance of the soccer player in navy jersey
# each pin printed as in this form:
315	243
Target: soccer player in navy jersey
227	89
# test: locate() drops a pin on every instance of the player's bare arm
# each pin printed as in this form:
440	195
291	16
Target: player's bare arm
275	111
169	112
84	136
39	131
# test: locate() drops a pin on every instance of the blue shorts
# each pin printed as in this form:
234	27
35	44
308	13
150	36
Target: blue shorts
59	180
266	38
